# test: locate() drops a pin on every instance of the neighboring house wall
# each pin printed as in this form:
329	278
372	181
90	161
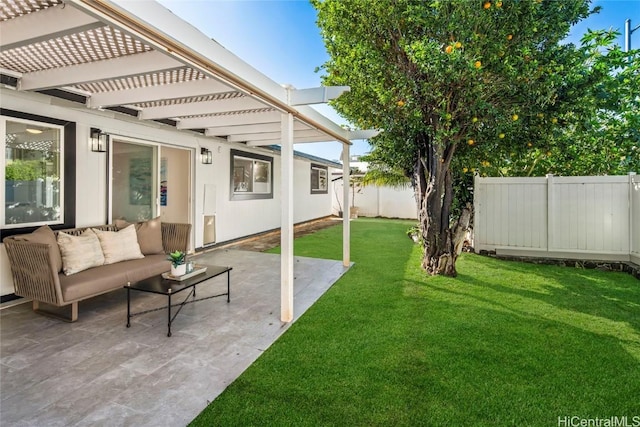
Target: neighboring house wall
234	219
373	201
593	218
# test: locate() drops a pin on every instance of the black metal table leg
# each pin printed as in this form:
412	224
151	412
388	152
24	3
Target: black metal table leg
128	308
169	315
228	285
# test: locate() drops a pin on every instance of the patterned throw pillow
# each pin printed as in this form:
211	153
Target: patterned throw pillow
119	245
79	252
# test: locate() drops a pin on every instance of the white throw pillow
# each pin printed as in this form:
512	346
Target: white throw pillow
119	245
79	252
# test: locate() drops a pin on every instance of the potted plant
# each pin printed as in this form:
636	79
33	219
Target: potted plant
178	263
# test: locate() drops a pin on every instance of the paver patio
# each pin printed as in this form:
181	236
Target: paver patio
98	372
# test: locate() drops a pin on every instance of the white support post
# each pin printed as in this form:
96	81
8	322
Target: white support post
286	219
346	212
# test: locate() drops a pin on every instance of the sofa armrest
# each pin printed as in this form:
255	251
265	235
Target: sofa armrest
175	236
33	271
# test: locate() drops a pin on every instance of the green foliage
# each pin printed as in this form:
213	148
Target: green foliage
505	344
596	134
24	170
177	258
450	69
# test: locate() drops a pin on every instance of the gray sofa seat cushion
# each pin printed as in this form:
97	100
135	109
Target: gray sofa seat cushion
98	280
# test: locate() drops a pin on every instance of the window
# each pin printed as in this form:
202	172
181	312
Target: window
319	179
251	176
39	184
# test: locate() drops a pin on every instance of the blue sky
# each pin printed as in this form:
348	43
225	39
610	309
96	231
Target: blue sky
280	38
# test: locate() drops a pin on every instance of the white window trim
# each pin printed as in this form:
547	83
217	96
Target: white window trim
326	177
251	157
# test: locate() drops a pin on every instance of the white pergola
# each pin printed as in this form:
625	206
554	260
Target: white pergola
138	57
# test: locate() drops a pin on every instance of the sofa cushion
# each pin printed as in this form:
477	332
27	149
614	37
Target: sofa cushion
122	223
80	252
45	235
119	245
109	277
149	235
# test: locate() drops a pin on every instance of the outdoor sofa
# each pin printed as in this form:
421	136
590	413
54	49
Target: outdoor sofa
60	268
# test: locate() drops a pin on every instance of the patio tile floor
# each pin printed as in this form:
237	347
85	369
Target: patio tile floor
98	372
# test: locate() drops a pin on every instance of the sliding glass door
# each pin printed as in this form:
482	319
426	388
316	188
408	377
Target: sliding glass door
134	181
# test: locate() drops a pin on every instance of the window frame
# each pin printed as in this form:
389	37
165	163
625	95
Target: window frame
67	173
317	167
246	195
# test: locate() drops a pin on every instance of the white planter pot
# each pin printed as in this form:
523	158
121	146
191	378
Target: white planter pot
180	270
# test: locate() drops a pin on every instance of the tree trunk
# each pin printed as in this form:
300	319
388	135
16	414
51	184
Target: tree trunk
442	238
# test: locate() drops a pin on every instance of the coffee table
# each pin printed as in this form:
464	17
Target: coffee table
168	287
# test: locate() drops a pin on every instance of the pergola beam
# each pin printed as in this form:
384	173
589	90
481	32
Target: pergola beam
296	140
248	129
200	108
229	120
116	68
255	137
317	95
158	93
48	24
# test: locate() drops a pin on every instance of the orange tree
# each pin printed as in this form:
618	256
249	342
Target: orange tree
447	79
597	134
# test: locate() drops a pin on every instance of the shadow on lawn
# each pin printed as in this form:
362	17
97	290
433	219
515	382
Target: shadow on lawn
602	303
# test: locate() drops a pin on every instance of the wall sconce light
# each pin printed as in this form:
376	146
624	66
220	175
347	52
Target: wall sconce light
99	140
206	156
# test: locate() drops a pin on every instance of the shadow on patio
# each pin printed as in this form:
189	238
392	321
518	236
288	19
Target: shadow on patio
98	372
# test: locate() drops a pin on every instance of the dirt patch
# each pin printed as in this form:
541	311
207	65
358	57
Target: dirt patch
271	239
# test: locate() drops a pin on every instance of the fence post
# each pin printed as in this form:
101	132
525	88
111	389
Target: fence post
476	211
631	213
550	211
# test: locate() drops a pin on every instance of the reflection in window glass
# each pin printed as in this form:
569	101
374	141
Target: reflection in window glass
319	179
33	171
251	176
134	181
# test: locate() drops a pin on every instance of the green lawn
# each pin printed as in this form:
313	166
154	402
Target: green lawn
503	344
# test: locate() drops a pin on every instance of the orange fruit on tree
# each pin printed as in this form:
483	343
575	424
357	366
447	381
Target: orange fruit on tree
448	49
501	136
475	119
458	45
554	120
499	4
487	5
529	144
400	103
465	170
477	64
510	36
471	142
514	117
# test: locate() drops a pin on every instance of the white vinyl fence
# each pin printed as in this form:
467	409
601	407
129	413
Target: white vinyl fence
374	201
588	218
